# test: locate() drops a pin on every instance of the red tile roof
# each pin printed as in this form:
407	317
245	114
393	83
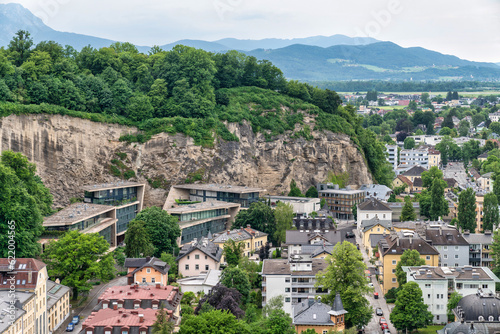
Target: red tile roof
121	318
405	180
24	268
140	293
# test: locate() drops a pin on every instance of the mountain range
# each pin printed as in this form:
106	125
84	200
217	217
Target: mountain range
318	58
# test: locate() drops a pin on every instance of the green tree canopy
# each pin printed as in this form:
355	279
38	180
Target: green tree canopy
77	258
212	322
234	277
452	303
345	274
439	204
409	258
409	143
410	312
491	214
162	228
312	192
408	212
284	221
260	217
294	190
233	251
467	210
137	241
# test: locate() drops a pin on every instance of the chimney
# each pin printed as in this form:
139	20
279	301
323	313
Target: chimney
148	258
248	226
310	301
115	306
141	318
158	286
440	231
397	241
228	231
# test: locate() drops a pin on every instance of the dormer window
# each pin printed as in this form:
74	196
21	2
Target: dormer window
491	318
480	318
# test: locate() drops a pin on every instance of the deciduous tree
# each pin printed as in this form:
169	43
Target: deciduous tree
234	277
491	214
233	251
410	257
137	241
410	312
408	212
284	221
212	322
467	210
294	190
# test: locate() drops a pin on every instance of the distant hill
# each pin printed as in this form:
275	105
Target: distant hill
318	58
377	61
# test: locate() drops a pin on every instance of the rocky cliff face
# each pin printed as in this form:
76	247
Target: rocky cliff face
71	152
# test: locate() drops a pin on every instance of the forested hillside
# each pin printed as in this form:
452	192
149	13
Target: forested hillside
183	90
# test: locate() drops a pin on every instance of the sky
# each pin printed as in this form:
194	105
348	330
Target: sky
467	29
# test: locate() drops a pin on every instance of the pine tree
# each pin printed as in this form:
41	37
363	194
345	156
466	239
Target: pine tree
467	210
408	212
491	214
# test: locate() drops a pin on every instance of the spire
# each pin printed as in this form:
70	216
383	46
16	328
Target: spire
209	236
337	303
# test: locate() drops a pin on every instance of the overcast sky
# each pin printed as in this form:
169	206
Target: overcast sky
465	28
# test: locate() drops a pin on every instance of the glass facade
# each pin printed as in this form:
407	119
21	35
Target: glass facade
201	230
202	214
106	234
245	200
114	197
124	216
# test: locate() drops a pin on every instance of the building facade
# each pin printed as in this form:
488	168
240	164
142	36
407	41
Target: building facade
479	248
413	157
148	270
392	155
373	208
300	205
453	248
198	257
340	201
252	240
58	307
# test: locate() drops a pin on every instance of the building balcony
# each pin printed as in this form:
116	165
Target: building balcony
473	250
303	284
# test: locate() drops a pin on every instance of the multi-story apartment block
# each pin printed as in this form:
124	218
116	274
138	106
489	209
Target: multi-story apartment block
127	197
437	283
37	296
340	201
479	248
300	205
138	321
244	196
198	256
414	157
294	279
393	246
17	312
198	220
252	240
495	116
392	155
453	248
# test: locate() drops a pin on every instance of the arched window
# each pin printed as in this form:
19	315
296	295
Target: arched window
491	318
480	318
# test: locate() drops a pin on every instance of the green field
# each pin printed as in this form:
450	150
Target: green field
429	329
391	107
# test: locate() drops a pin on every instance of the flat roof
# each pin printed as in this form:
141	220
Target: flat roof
112	185
293	199
203	206
282	267
76	212
220	187
342	191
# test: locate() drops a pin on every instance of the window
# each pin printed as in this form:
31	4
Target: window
197	267
207	267
384	215
144	280
206	257
485	286
148	270
394	280
366	215
456	248
287	289
153	280
394	262
187	266
428	257
287	280
197	257
287	299
124	332
136	306
437	317
325	331
107	332
445	247
428	286
456	256
393	271
428	296
445	256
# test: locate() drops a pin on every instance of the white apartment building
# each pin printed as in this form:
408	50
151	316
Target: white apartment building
392	155
413	157
293	279
437	282
495	117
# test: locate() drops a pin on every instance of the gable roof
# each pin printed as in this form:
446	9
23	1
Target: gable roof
416	170
318	313
373	204
206	246
301	237
445	236
26	272
397	243
404	179
370	223
139	263
241	234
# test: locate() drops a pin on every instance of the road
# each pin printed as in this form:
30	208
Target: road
373	327
456	170
85	310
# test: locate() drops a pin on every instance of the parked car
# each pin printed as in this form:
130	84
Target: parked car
349	234
384	326
386	331
370	285
379	311
382	321
375	295
70	327
76	320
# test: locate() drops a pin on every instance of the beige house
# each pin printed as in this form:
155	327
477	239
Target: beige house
485	182
17	318
57	304
146	270
434	157
198	257
479	212
252	239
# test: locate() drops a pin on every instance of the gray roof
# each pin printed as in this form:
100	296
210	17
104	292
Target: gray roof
321	249
369	223
478	238
301	237
468	327
55	292
5	299
318	223
378	191
391	246
318	313
140	263
375	238
445	236
373	204
472	306
204	245
414	171
282	267
241	234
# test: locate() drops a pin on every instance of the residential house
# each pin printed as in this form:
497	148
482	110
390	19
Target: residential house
320	317
293	279
373	208
434	157
437	283
146	270
135	296
479	248
453	248
392	247
414	172
116	321
378	191
374	226
340	201
450	184
485	182
300	205
401	180
252	239
203	282
494	117
482	157
198	256
197	192
30	276
198	220
17	315
126	197
58	306
314	243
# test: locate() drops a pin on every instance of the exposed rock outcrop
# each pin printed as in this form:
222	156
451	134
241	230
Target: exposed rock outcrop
72	152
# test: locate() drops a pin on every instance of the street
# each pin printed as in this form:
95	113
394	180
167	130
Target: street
456	170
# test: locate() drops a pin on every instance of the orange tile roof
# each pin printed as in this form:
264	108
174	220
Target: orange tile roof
121	318
141	292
